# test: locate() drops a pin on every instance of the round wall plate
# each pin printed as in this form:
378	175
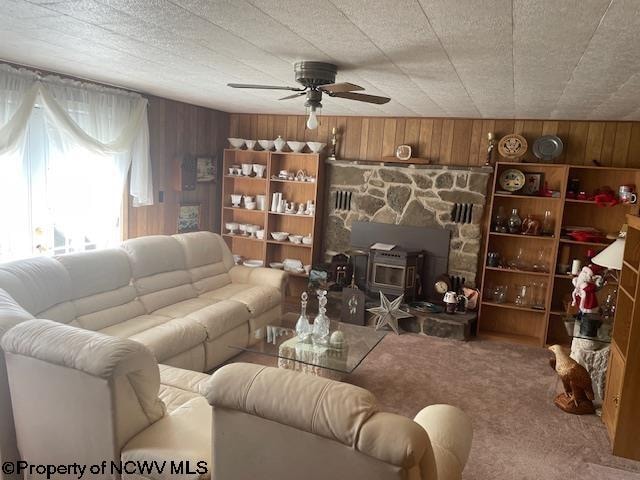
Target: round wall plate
512	146
547	147
512	180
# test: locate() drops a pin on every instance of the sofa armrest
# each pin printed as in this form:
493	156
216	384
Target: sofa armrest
450	432
268	277
186	380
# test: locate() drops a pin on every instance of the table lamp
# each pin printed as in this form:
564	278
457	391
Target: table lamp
611	257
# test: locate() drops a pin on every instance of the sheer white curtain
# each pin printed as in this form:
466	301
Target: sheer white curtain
17	98
68	181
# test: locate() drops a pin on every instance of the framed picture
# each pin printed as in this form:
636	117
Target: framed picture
533	183
206	169
189	217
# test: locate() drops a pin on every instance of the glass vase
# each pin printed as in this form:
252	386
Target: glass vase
320	332
515	222
303	327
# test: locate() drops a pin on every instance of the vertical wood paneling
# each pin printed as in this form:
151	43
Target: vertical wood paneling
461	142
389	137
577	143
177	129
449	141
633	152
595	137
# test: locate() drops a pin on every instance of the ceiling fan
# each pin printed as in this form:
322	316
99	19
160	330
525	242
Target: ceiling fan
317	78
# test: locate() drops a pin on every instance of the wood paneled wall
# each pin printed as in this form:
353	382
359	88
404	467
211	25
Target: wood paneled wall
176	129
448	141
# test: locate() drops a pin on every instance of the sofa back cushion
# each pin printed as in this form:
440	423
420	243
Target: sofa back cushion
76	381
100	287
207	259
158	269
41	286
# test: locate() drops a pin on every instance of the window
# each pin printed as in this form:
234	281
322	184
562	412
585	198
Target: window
56	197
66	150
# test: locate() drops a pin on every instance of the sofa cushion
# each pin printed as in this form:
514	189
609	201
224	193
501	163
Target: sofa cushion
158	269
207	259
171	338
257	299
184	308
135	325
221	317
101	293
39	284
183	435
96	271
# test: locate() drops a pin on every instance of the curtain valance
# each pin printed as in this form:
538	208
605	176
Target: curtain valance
102	120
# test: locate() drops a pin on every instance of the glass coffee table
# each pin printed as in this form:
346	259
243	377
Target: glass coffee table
280	341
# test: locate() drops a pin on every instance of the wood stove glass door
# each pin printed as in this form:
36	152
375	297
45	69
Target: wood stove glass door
388	275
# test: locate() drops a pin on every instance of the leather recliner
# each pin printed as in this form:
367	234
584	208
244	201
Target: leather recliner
271	423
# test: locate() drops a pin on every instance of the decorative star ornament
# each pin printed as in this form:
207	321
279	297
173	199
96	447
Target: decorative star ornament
388	313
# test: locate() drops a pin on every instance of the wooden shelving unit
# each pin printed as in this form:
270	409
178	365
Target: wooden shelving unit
620	412
269	250
539	327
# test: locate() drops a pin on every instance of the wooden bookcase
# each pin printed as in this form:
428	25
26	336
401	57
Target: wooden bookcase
269	250
620	411
510	322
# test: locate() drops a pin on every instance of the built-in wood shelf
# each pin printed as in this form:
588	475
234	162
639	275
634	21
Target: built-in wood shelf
512	306
524	197
520	235
291	215
546	326
297	182
289	244
589	244
515	270
509	337
244	177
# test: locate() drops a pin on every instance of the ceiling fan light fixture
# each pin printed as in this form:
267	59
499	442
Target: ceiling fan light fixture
312	120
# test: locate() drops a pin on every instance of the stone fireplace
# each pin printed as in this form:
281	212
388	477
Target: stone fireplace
435	196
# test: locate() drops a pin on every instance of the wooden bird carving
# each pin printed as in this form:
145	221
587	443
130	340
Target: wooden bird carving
576	381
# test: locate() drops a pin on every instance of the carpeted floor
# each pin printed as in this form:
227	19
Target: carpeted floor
508	390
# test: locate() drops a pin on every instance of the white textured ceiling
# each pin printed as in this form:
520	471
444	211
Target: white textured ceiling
568	59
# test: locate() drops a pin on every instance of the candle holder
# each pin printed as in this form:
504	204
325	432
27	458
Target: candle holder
490	146
334	143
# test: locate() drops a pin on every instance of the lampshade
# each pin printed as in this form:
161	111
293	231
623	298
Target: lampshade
611	257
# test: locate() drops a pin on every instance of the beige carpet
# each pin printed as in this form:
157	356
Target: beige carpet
508	391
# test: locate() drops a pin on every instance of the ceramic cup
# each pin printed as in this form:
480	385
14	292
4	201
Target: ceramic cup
236	199
627	194
247	168
258	169
261	201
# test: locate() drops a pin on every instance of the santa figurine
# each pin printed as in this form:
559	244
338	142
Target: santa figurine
586	284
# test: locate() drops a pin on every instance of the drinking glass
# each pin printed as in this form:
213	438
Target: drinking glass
500	293
539	292
522	295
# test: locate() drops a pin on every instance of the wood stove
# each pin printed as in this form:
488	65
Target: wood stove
395	272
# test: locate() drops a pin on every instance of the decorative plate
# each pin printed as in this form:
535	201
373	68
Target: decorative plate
253	263
512	180
512	146
547	147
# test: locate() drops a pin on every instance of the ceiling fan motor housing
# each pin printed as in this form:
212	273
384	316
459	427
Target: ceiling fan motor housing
315	74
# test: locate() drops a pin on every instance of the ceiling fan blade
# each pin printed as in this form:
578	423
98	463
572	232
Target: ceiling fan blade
361	97
263	87
295	95
341	87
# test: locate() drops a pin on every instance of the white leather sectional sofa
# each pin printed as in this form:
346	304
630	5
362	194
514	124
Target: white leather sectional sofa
243	422
181	296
